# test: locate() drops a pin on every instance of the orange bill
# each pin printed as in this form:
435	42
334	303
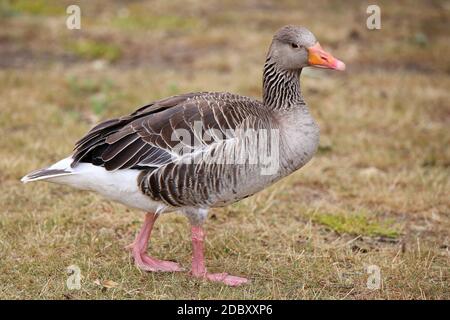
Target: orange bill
322	59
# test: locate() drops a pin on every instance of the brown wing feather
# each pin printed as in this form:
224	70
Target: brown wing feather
106	136
144	140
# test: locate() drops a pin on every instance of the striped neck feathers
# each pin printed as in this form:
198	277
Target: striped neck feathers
281	88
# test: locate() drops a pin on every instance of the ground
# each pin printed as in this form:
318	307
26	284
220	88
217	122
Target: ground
375	197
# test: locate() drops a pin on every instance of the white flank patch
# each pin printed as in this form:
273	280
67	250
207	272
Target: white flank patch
119	185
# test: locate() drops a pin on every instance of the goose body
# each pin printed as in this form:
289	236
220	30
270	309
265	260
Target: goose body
195	151
163	178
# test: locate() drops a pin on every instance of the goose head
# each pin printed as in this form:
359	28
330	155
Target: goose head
295	47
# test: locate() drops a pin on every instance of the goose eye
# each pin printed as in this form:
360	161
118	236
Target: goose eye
294	45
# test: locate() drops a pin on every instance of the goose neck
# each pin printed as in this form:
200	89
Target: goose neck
281	88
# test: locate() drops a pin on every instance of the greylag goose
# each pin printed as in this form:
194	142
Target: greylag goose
195	151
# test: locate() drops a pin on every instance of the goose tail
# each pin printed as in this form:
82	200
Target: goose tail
44	174
59	169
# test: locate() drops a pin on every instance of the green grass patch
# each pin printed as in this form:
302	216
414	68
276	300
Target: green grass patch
163	22
89	49
99	103
35	7
355	224
87	86
99	94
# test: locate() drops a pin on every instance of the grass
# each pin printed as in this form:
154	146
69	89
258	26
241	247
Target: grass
376	193
154	22
355	224
97	94
89	49
38	7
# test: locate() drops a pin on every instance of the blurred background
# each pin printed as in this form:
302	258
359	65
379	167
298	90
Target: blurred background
377	192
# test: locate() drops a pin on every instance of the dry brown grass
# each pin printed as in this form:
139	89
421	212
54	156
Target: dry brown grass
384	151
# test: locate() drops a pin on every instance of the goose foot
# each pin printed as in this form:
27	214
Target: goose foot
198	262
139	247
147	263
229	280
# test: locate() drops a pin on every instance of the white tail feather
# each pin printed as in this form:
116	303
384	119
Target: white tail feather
43	174
120	185
60	168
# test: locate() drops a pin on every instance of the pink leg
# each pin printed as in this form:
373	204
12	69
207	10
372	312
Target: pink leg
198	262
139	247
